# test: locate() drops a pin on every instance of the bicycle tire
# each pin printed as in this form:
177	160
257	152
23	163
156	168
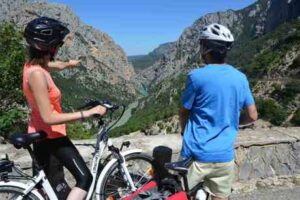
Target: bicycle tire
7	191
115	187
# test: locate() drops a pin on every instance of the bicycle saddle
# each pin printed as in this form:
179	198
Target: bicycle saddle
181	166
23	139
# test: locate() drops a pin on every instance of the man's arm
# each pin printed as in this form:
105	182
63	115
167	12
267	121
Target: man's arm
183	117
249	115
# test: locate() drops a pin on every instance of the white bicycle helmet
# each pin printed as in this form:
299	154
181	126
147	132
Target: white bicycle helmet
216	32
215	38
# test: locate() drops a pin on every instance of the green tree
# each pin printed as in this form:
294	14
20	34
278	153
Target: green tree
12	56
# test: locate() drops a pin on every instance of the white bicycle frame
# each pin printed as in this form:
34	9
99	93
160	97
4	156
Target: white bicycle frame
20	186
41	177
95	168
31	185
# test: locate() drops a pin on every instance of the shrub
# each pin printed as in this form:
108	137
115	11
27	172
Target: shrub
11	121
288	93
296	118
160	125
270	110
78	131
169	129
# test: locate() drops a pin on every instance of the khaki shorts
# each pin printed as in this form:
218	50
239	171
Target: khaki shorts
218	177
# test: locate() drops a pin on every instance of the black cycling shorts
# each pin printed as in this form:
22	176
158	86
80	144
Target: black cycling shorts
67	154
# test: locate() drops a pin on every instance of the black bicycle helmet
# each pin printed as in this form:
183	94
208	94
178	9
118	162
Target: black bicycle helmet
45	33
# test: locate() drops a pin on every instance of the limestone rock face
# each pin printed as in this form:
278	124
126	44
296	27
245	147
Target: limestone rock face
104	63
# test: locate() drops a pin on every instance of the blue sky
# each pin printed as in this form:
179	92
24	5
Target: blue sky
139	26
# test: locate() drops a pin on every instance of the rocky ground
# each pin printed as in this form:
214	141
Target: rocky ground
267	159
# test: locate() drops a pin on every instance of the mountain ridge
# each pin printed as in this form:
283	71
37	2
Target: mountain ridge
140	62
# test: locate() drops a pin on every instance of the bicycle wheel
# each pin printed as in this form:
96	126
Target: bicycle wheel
11	193
115	186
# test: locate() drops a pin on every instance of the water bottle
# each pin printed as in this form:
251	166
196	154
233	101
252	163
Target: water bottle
201	195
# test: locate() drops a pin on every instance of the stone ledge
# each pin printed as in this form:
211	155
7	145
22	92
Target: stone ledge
246	138
258	137
291	132
264	157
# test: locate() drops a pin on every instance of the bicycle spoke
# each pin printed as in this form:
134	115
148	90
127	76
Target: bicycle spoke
143	176
116	185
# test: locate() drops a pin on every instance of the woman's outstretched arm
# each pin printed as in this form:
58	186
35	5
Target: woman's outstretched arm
60	65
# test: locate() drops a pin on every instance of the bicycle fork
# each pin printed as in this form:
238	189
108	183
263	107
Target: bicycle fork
127	176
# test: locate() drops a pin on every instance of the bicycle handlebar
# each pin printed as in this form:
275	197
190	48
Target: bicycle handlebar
245	126
92	103
107	104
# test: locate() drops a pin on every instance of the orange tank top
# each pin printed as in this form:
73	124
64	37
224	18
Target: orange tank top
36	123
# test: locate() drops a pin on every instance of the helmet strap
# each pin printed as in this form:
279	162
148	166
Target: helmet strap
53	53
204	51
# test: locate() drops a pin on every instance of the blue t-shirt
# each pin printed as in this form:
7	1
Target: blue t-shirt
215	95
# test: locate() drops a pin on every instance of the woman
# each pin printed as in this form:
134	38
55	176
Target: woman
44	37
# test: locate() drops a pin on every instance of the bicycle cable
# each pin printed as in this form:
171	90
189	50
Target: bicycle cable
123	111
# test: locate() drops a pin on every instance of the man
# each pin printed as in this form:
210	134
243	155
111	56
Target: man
210	114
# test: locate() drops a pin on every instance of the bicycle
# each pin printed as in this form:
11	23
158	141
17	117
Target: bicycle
113	177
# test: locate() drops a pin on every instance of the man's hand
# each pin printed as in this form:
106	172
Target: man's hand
183	117
249	115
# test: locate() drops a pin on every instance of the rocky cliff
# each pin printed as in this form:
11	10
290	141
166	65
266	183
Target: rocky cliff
105	71
247	24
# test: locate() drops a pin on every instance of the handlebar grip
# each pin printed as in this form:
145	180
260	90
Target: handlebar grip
93	103
89	104
245	126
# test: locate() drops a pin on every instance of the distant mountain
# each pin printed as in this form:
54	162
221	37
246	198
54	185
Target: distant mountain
105	71
141	62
